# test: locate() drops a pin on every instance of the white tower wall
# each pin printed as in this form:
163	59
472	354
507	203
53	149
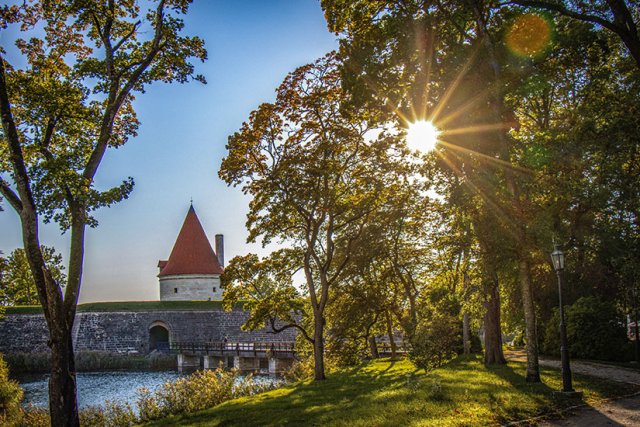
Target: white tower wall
190	287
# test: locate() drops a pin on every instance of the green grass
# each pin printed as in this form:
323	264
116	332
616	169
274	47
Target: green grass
386	393
128	306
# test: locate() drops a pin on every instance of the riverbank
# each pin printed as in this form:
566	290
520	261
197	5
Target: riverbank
90	361
388	393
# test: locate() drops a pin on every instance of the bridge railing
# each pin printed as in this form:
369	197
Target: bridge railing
232	347
385	348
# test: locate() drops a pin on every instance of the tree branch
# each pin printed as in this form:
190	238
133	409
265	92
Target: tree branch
127	36
277	330
558	8
20	175
10	195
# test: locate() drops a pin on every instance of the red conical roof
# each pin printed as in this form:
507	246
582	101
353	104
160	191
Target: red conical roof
192	253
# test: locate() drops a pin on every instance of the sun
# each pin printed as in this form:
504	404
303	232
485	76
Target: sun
422	135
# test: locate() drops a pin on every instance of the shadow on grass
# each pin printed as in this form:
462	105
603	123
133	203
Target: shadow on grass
394	393
310	403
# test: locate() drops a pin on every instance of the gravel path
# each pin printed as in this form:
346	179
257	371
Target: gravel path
619	412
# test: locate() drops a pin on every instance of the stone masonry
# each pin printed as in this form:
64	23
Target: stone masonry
127	332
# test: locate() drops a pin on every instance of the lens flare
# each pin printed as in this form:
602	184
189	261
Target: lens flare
529	35
422	135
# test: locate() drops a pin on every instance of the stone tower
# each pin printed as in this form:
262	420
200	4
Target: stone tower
193	269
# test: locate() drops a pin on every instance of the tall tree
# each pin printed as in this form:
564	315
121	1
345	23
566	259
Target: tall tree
60	113
17	286
314	177
428	59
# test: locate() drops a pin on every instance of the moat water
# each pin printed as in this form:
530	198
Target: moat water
95	388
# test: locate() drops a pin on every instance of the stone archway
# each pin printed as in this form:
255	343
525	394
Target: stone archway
159	337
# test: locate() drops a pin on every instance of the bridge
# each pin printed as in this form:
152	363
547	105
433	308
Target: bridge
271	357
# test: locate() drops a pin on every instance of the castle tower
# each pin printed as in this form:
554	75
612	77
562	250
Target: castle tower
193	269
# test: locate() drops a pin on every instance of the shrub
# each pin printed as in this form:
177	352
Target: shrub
300	370
28	362
34	417
594	331
436	341
200	390
10	397
91	361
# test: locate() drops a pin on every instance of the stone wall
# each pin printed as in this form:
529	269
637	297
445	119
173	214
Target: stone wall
128	332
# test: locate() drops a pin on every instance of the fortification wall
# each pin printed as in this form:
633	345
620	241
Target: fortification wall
128	332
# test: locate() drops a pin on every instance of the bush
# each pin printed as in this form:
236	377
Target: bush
28	362
199	391
436	341
300	370
10	397
594	331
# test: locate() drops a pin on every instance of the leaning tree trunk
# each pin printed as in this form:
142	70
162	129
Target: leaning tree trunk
373	347
392	341
493	354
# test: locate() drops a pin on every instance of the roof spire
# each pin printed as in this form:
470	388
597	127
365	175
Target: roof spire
192	253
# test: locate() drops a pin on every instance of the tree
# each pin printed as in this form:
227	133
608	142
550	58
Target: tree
265	289
17	286
60	114
314	178
412	61
618	16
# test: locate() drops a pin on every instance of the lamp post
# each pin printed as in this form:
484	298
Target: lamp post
557	257
636	332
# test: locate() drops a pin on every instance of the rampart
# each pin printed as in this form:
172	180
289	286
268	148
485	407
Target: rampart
129	332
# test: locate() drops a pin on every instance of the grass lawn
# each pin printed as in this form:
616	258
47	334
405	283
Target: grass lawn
387	393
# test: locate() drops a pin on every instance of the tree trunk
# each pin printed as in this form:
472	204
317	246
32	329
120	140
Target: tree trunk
533	370
373	347
63	405
62	383
466	334
318	346
466	328
493	354
392	341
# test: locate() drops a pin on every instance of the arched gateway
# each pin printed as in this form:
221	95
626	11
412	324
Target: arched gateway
158	337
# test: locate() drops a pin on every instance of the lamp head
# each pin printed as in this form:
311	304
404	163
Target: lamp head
557	257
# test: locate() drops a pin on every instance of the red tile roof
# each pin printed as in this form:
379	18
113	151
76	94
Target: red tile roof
192	253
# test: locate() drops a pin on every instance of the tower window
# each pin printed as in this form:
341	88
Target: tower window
214	289
175	290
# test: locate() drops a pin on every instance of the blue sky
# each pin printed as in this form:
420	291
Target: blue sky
252	45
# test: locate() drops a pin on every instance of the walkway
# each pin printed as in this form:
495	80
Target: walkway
619	412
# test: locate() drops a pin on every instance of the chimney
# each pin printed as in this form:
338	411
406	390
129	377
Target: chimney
220	249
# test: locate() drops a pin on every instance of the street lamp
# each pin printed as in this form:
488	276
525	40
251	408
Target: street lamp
636	332
557	257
